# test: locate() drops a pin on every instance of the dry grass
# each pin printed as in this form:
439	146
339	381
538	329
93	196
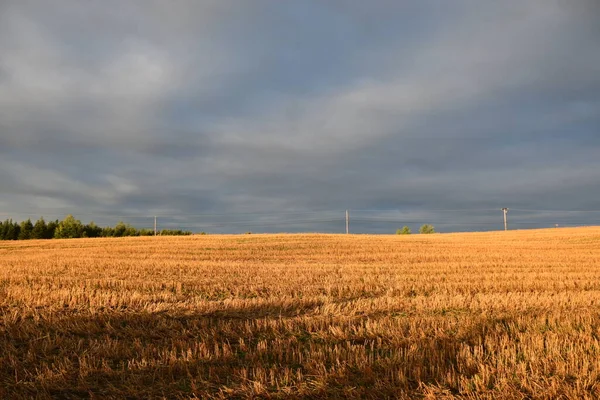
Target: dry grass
483	315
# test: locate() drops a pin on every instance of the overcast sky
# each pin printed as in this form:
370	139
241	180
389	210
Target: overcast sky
275	112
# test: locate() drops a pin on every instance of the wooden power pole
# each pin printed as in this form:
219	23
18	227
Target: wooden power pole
155	225
347	222
505	218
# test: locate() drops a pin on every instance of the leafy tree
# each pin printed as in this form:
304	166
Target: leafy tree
404	231
427	229
120	229
39	229
123	229
26	228
69	228
92	230
131	231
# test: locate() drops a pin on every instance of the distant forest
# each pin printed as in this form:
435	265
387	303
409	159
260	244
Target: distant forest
73	228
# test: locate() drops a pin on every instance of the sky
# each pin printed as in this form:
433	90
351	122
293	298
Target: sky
228	116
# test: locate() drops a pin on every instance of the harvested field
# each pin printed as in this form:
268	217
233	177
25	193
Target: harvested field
476	315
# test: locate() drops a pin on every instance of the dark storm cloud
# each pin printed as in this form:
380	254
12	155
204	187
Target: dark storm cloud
229	116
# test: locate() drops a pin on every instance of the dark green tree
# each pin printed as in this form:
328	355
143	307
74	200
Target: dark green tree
123	229
92	230
120	229
51	229
39	229
26	228
13	230
108	232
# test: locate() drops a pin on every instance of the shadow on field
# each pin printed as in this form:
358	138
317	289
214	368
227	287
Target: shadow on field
154	355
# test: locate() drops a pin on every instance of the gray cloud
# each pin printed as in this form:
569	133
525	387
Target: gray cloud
216	113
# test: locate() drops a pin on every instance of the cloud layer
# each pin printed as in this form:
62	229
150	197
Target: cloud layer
250	112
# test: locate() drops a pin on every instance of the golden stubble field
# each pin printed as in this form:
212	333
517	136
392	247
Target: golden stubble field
478	315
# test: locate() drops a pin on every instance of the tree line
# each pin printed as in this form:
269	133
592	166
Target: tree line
73	228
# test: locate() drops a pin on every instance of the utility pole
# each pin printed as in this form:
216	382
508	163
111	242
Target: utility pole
347	222
155	225
505	218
